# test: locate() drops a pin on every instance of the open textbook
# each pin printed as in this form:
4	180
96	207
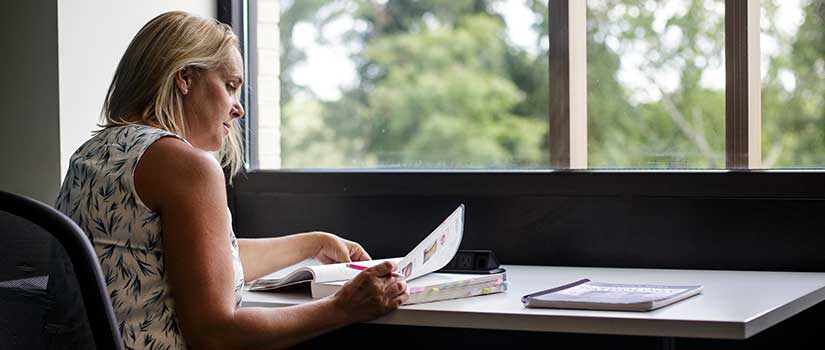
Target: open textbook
586	294
432	253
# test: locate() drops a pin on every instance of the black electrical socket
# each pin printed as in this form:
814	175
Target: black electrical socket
473	261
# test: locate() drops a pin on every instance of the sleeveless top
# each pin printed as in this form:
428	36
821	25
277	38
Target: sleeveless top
98	193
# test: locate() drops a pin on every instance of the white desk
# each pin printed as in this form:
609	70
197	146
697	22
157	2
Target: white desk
733	305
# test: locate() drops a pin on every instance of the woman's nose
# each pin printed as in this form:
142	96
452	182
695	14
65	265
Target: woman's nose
237	110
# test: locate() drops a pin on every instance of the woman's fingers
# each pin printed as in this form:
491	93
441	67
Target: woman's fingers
399	287
382	269
357	252
334	249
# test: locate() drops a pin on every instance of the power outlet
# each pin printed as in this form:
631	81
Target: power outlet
465	261
473	261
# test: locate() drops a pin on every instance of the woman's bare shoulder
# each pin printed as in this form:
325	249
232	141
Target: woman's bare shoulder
171	168
176	155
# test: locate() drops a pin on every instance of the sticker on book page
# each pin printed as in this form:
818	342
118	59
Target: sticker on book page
429	252
407	270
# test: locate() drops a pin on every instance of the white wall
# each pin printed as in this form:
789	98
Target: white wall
92	36
57	58
29	134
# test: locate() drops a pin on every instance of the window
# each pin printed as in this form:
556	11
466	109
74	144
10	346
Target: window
474	84
656	84
793	83
430	84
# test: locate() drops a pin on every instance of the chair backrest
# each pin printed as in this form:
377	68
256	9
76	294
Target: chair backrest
52	291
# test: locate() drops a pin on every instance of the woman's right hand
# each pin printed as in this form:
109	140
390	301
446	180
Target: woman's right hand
372	293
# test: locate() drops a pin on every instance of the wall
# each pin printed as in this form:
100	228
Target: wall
57	60
93	34
29	133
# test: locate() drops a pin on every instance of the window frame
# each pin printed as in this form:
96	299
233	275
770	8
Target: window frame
742	110
235	13
734	219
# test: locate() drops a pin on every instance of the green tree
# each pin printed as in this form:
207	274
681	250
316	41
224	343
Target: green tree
435	90
793	117
440	86
681	128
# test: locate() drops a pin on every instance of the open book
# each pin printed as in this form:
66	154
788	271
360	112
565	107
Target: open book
432	253
585	294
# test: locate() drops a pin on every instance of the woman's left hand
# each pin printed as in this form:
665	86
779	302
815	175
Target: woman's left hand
333	249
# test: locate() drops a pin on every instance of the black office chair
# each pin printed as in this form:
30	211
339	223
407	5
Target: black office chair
52	292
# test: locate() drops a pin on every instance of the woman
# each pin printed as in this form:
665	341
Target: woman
152	199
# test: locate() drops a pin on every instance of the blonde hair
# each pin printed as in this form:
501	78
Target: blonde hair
143	87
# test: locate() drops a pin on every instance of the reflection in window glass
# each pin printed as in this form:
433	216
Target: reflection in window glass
793	83
655	80
413	84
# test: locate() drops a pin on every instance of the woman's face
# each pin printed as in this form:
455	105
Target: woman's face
211	102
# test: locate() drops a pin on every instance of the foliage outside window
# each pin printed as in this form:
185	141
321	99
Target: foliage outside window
793	83
463	84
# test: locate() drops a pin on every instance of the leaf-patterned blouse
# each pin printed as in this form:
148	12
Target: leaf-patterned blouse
98	193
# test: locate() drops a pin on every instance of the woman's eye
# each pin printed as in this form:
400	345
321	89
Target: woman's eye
230	86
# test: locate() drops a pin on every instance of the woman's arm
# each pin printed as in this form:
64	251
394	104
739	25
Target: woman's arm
185	186
262	256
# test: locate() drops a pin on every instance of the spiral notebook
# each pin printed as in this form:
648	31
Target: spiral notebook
589	295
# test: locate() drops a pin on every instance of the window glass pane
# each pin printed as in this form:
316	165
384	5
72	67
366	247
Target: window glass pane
409	84
655	80
792	42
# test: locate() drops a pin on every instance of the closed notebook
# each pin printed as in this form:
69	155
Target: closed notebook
586	294
434	287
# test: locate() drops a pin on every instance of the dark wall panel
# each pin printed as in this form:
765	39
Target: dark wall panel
631	224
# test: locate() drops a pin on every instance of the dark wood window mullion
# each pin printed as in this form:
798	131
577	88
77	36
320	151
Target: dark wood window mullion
568	86
742	103
559	70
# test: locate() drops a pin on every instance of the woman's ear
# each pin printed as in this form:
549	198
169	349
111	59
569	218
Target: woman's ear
183	79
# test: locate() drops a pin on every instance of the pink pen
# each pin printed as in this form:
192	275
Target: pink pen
362	268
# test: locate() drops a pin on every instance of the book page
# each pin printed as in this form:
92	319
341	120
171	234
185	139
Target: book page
340	271
278	279
311	270
437	249
649	292
615	293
